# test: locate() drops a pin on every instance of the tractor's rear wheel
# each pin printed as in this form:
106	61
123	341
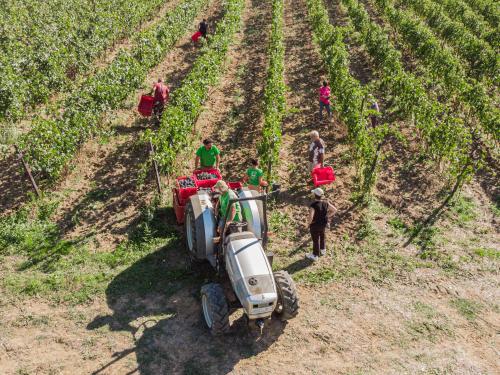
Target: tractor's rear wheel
190	234
215	308
288	300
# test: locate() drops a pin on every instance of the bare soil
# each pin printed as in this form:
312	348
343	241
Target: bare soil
423	320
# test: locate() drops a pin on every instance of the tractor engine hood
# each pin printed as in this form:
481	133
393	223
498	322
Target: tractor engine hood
251	274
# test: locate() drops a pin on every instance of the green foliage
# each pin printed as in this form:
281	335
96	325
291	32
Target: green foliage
428	323
467	308
488	253
445	67
187	101
444	133
480	56
463	210
51	144
44	264
350	95
397	224
459	11
489	9
45	44
274	94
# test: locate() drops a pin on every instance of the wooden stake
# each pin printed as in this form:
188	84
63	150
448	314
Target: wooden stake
155	166
28	171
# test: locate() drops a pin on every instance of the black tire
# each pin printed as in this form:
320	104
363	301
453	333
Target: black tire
189	220
288	300
215	308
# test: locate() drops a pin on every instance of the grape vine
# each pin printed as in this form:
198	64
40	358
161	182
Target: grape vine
52	143
274	94
187	101
44	44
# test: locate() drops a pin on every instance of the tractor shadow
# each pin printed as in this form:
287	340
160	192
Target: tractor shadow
157	301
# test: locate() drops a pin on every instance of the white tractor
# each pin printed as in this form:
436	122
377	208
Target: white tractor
243	268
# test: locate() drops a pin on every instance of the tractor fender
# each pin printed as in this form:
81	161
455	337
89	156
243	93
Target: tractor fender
200	227
253	212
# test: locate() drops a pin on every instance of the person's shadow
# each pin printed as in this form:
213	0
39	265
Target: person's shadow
157	301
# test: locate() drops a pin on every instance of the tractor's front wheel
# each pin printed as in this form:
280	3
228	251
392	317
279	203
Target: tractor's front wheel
288	300
215	308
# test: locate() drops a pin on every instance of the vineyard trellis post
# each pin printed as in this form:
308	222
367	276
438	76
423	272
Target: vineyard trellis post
28	171
155	166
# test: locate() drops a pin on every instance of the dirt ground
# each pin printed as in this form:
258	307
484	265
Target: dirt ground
360	313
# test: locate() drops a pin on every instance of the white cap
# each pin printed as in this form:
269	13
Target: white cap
221	186
318	191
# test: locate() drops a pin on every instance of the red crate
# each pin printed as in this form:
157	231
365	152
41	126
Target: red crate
178	208
235	185
185	193
323	176
207	183
196	36
145	107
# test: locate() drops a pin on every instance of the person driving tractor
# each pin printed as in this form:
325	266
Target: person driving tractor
226	195
207	156
161	94
254	176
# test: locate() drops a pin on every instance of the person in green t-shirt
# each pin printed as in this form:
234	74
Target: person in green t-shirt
207	156
226	195
254	175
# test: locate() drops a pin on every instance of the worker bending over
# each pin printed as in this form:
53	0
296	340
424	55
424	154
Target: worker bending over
207	156
161	93
226	195
254	176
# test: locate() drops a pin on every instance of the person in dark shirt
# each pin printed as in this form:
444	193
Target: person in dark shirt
320	212
203	28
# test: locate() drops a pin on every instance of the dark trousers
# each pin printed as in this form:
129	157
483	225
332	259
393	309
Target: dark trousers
318	238
328	110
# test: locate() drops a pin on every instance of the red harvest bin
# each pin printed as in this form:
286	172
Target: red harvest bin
178	208
196	36
146	105
323	176
183	194
207	183
235	185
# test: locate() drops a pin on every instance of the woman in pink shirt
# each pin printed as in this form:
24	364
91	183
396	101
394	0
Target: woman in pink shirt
324	100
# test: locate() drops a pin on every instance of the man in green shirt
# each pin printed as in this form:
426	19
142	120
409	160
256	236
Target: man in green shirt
226	195
207	156
254	176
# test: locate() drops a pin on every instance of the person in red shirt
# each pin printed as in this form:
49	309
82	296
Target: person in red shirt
161	94
324	100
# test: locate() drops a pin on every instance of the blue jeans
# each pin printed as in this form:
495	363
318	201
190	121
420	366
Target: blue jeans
328	110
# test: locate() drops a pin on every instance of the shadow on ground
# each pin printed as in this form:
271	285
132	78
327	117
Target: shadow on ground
157	301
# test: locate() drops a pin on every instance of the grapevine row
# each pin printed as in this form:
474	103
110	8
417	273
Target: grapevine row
489	9
480	56
459	11
444	133
51	144
443	65
274	94
187	101
59	40
350	95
